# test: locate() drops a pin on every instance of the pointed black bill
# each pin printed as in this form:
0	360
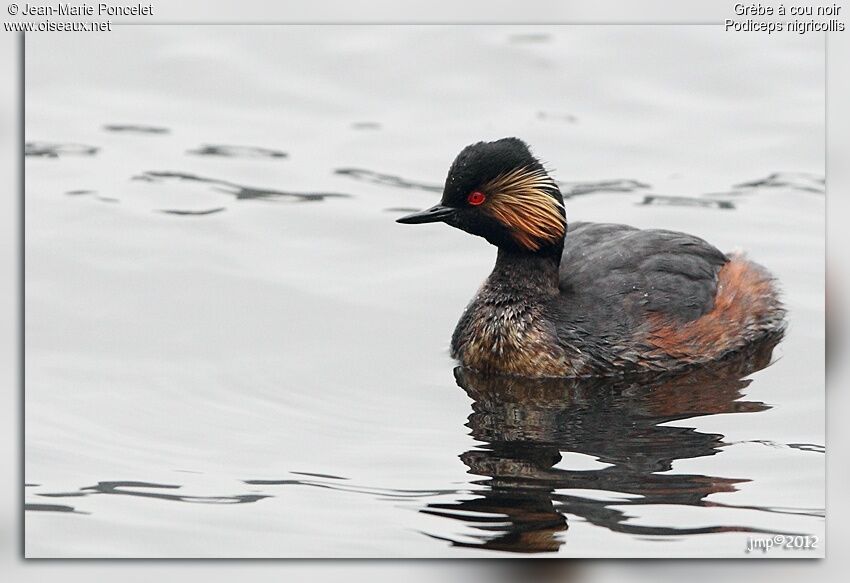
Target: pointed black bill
434	214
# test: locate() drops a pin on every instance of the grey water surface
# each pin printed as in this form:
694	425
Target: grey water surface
232	350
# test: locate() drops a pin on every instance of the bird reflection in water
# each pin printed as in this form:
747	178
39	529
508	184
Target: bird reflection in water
525	424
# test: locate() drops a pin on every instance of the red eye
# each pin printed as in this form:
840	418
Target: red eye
476	198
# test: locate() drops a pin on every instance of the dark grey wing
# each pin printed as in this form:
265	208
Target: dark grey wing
634	271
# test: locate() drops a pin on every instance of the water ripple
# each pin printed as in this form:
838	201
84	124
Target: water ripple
51	508
143	490
237	151
792	180
239	191
135	129
666	200
193	213
58	150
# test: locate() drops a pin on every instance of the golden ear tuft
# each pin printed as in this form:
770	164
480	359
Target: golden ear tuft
524	200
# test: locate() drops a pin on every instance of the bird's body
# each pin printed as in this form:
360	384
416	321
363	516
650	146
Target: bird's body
594	299
621	300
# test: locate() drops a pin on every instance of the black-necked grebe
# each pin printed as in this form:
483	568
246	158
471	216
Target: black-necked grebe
599	300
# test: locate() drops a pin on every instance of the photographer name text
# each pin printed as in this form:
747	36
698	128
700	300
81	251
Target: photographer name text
101	9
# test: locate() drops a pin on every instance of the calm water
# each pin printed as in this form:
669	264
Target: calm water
233	350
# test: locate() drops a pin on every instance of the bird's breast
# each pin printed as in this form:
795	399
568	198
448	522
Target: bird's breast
508	338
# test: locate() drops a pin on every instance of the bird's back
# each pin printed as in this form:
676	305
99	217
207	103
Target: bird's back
655	299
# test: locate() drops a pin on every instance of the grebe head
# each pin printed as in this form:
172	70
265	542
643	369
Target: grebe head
500	191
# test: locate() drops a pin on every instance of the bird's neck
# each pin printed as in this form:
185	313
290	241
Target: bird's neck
523	273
